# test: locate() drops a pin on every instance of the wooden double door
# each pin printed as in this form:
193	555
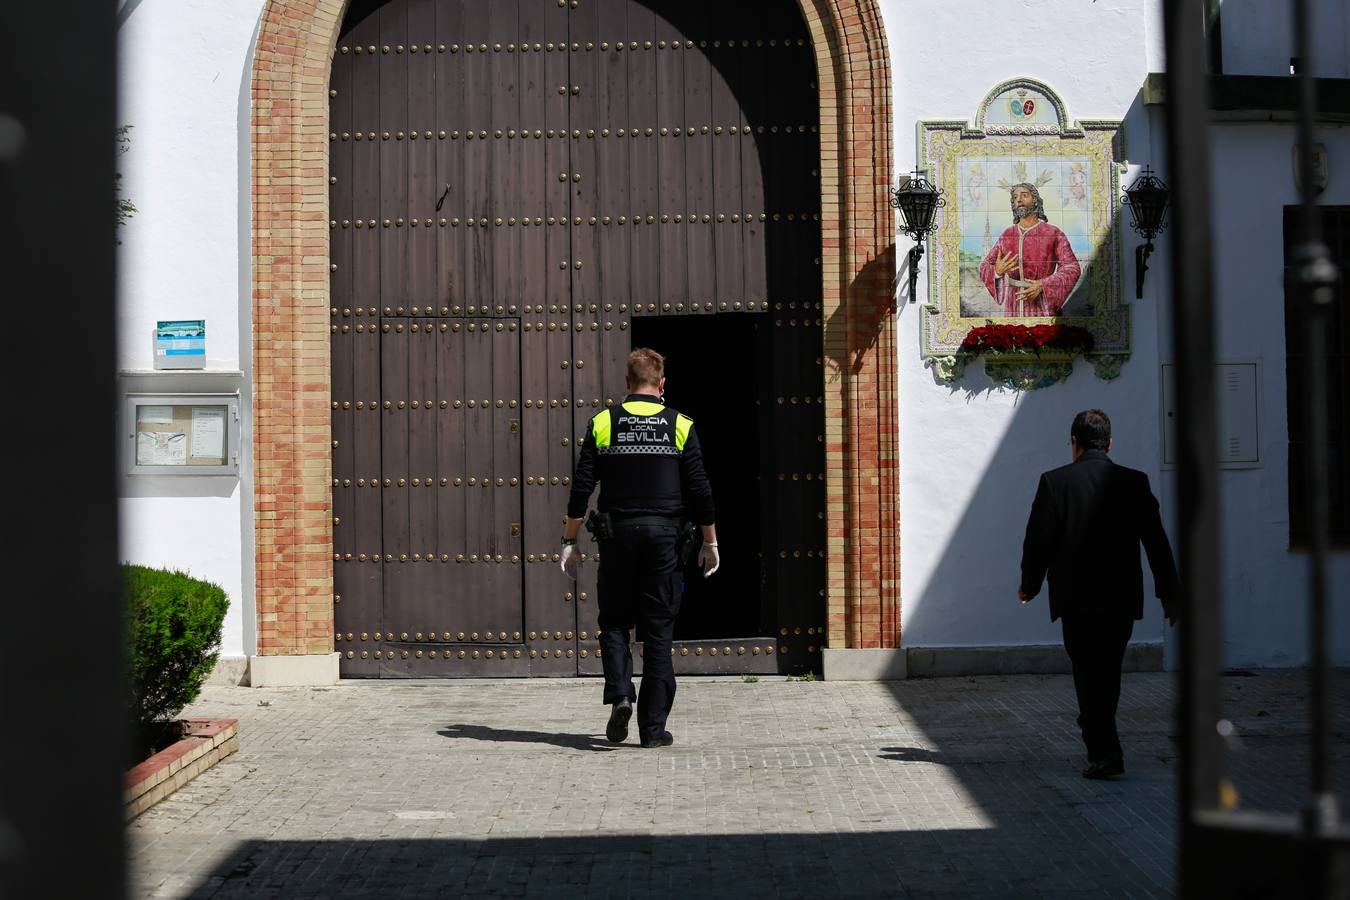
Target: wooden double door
513	185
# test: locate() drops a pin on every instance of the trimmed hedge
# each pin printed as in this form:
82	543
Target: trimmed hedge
173	638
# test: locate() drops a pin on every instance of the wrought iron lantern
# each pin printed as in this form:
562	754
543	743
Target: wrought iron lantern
1147	202
918	201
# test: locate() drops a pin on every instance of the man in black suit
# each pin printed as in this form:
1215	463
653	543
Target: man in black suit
1086	525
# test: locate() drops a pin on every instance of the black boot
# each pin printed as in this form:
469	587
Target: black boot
617	729
664	739
1109	768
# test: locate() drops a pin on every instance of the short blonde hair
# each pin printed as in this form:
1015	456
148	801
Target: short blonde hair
645	366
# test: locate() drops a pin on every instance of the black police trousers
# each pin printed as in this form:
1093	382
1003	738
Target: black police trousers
638	586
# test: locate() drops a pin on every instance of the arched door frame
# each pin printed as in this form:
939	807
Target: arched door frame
291	392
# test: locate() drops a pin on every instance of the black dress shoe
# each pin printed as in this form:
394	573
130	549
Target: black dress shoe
617	729
1105	768
664	739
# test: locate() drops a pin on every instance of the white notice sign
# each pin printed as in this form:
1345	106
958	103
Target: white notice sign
155	415
161	448
208	433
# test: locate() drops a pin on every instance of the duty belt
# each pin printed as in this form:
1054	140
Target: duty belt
621	519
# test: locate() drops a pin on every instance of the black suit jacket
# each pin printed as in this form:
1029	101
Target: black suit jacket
1086	525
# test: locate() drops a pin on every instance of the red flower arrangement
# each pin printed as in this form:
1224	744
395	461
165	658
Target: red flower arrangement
996	338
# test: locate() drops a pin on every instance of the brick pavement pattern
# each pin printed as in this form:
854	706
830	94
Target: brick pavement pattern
945	788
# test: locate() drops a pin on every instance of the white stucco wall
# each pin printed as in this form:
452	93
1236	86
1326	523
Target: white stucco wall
1258	37
1265	585
184	89
970	453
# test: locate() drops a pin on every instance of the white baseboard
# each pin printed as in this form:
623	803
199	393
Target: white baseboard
944	662
229	670
1033	659
293	671
863	665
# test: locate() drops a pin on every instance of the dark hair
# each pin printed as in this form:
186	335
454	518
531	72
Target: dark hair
1091	430
1036	193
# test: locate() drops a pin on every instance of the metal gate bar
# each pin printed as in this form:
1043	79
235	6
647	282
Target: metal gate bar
1225	852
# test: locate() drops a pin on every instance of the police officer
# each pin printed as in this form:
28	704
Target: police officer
650	468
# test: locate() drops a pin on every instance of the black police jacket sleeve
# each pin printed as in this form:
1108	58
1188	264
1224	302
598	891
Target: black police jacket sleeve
698	498
583	476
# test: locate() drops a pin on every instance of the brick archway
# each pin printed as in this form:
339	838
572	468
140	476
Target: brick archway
291	440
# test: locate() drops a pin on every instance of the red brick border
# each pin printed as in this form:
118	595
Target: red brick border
853	61
205	742
292	462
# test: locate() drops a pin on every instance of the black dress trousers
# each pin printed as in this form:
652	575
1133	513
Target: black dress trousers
1096	647
638	586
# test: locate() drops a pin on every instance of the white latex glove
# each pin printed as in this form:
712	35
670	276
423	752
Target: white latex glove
709	558
568	551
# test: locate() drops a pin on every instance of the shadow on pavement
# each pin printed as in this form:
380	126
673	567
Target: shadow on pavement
1006	817
919	865
913	754
508	735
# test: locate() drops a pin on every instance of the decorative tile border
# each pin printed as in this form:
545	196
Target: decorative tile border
292	463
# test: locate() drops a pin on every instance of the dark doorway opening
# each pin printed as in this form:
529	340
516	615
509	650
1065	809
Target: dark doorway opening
712	372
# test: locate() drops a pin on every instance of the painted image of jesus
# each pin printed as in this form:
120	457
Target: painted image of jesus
1031	270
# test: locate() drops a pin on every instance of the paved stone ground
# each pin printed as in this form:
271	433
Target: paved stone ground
946	788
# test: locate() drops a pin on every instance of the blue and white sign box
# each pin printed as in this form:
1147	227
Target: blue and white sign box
180	344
